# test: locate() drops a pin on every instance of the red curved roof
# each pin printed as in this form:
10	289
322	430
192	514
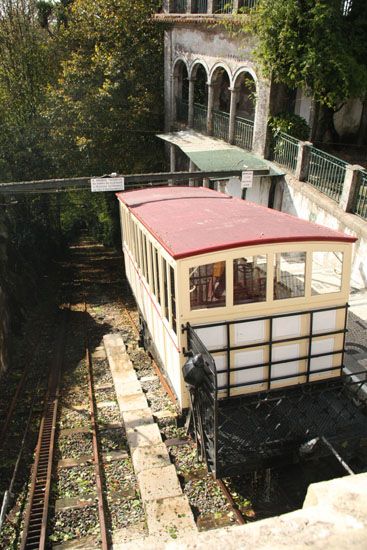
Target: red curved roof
188	221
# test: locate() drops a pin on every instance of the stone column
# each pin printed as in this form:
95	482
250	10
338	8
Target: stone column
174	88
262	112
209	118
350	186
189	6
232	114
303	158
235	6
211	6
191	102
172	160
191	169
206	182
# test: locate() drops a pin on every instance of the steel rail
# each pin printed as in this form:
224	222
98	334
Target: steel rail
96	453
239	517
36	517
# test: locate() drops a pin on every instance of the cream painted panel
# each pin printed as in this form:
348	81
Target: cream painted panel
322	346
213	337
285	352
247	358
249	333
221	364
287	327
324	321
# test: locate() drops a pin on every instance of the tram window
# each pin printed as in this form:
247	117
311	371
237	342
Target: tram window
249	279
156	273
289	276
165	287
208	285
150	278
173	298
327	269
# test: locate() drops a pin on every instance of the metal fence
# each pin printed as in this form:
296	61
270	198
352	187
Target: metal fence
199	6
179	6
360	206
243	4
326	173
244	131
220	125
223	6
285	150
200	117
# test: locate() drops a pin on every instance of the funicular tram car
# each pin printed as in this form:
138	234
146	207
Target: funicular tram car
251	304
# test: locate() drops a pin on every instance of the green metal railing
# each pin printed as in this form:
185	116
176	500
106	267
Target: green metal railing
326	173
285	150
223	6
244	131
200	117
220	125
246	4
182	110
179	6
360	206
199	6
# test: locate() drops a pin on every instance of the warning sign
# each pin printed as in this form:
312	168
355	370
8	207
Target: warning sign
99	185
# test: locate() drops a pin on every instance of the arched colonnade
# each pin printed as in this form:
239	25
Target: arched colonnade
215	100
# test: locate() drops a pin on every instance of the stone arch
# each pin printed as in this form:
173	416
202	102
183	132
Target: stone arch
199	72
180	75
220	79
246	84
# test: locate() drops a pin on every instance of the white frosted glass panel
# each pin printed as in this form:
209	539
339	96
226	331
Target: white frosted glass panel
285	352
324	321
322	346
213	337
248	333
287	327
221	364
246	358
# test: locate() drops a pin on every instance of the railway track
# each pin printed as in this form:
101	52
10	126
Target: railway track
83	396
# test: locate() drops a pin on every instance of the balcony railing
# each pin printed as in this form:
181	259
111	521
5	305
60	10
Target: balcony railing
326	173
223	6
200	118
199	6
285	151
244	131
220	125
179	6
360	207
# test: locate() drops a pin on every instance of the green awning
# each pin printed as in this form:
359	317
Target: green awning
210	154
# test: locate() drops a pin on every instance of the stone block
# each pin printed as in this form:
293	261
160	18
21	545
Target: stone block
132	402
144	435
146	458
139	417
170	517
159	483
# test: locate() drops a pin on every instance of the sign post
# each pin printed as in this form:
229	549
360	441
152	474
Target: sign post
247	179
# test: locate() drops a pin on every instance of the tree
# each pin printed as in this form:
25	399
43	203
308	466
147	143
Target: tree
316	45
107	104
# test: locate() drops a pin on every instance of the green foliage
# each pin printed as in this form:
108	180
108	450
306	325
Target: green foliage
290	124
312	45
107	104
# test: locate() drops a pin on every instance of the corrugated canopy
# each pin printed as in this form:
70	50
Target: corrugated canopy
210	154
